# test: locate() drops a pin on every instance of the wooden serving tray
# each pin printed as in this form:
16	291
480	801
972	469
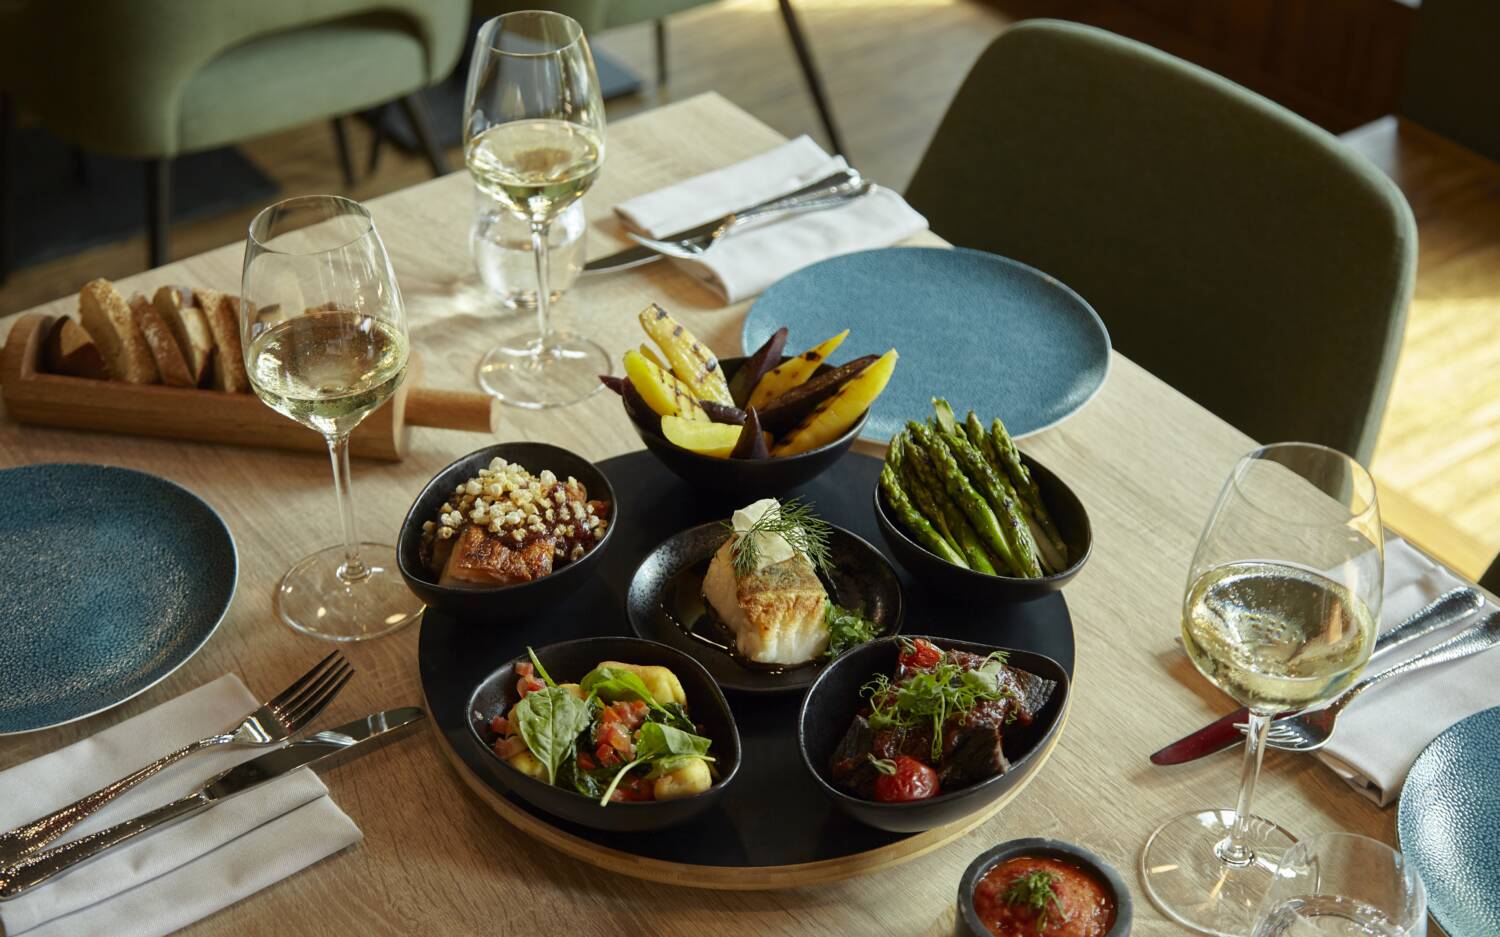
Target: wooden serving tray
36	397
774	828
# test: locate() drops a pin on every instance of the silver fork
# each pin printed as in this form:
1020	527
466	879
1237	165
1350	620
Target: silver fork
856	187
1310	731
275	721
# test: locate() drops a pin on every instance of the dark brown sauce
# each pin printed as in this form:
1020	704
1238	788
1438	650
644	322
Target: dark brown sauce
683	603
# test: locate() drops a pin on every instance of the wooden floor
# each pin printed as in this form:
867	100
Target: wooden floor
891	67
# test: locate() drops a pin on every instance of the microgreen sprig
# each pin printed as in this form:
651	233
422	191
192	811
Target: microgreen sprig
1034	890
933	695
794	521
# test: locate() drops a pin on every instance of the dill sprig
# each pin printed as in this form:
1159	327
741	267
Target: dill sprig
933	695
1034	890
793	520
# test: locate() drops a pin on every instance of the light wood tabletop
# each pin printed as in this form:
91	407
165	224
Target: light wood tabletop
1146	462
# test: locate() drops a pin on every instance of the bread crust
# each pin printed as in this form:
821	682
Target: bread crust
108	319
177	307
223	314
170	363
68	349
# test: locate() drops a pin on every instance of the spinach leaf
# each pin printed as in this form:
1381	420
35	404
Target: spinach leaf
550	720
664	748
846	629
612	683
673	714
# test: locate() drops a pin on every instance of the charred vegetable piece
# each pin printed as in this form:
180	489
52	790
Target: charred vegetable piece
833	417
711	439
650	355
752	442
785	412
793	373
756	366
638	410
616	384
662	392
691	360
719	413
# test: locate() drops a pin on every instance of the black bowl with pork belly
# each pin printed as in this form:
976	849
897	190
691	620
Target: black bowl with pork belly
535	583
1016	713
568	662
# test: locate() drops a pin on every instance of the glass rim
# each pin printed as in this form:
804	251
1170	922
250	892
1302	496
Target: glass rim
1362	480
575	31
359	210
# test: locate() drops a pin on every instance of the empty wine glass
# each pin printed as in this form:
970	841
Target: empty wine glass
1282	605
1343	884
323	330
534	142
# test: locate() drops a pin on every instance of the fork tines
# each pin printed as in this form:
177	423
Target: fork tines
301	702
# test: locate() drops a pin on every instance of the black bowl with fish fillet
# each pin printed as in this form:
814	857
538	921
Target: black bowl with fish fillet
983	754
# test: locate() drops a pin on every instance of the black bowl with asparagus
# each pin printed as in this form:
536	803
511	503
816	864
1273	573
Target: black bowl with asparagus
967	514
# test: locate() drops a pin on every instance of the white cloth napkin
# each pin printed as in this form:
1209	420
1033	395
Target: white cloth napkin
170	878
749	260
1386	728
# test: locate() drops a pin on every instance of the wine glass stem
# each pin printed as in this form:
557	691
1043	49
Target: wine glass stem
353	568
539	231
1234	850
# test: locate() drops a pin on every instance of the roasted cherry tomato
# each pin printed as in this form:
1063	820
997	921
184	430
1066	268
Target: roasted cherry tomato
924	655
906	778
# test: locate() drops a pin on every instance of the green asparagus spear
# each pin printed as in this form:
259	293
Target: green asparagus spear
943	413
1012	523
962	493
913	521
1020	476
979	558
975	431
925	482
920	494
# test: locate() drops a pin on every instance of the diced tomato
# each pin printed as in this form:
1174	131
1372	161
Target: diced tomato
924	655
524	669
527	685
617	737
585	762
606	756
634	788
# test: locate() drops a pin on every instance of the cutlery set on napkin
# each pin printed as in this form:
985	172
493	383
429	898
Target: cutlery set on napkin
242	819
742	228
1427	673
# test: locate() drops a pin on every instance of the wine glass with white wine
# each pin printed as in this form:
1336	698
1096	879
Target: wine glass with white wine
534	141
1282	605
324	335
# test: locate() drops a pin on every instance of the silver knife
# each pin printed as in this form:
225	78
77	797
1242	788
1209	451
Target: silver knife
326	748
639	254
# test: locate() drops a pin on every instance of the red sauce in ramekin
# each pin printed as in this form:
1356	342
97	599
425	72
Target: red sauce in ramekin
1083	906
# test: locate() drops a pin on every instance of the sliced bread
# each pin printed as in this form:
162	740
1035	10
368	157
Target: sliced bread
69	350
170	363
107	318
223	314
178	308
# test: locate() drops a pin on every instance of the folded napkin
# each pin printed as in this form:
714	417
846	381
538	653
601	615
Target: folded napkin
170	878
1386	728
751	259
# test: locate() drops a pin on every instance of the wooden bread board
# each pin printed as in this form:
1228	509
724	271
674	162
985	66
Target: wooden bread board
36	397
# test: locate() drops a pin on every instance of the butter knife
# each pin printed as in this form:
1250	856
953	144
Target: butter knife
640	254
1446	610
324	749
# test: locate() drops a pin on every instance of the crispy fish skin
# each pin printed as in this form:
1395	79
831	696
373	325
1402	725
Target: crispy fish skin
482	558
777	614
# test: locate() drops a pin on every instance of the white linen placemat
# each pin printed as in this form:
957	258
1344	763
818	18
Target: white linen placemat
749	260
170	878
1385	729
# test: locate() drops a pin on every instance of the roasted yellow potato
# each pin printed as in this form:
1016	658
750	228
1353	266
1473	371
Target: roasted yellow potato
715	440
835	415
660	682
526	763
662	392
794	372
691	361
692	778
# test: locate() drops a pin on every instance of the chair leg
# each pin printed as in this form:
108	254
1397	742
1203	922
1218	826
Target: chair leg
810	72
661	52
341	142
7	182
416	112
377	137
158	208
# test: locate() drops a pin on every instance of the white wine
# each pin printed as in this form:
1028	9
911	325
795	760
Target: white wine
536	167
328	370
1327	916
1275	636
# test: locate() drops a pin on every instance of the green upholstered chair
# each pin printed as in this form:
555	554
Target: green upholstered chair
155	79
598	15
1232	248
1449	86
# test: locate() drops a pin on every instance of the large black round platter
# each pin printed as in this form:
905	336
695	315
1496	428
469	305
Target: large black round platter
734	845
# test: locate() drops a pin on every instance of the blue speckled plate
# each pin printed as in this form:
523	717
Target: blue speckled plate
988	333
109	580
1449	825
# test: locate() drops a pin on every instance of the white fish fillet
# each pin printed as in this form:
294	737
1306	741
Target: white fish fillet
776	615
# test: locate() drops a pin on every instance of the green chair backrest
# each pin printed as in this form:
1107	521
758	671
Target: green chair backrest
1450	85
593	15
1232	248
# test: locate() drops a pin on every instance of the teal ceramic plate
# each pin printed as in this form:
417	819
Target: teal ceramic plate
988	333
109	580
1449	824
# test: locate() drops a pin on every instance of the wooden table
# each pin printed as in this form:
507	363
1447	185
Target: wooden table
1145	460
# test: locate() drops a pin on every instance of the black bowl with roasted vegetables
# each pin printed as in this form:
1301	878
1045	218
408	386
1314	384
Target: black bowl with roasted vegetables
973	518
756	425
505	584
564	751
910	733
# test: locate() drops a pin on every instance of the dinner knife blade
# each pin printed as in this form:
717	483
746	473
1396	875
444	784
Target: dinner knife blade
1446	610
323	749
639	254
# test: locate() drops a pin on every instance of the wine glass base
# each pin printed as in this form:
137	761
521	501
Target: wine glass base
1188	882
524	373
312	598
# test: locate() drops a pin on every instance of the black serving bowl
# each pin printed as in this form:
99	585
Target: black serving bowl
500	602
967	923
834	698
567	662
967	585
752	478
